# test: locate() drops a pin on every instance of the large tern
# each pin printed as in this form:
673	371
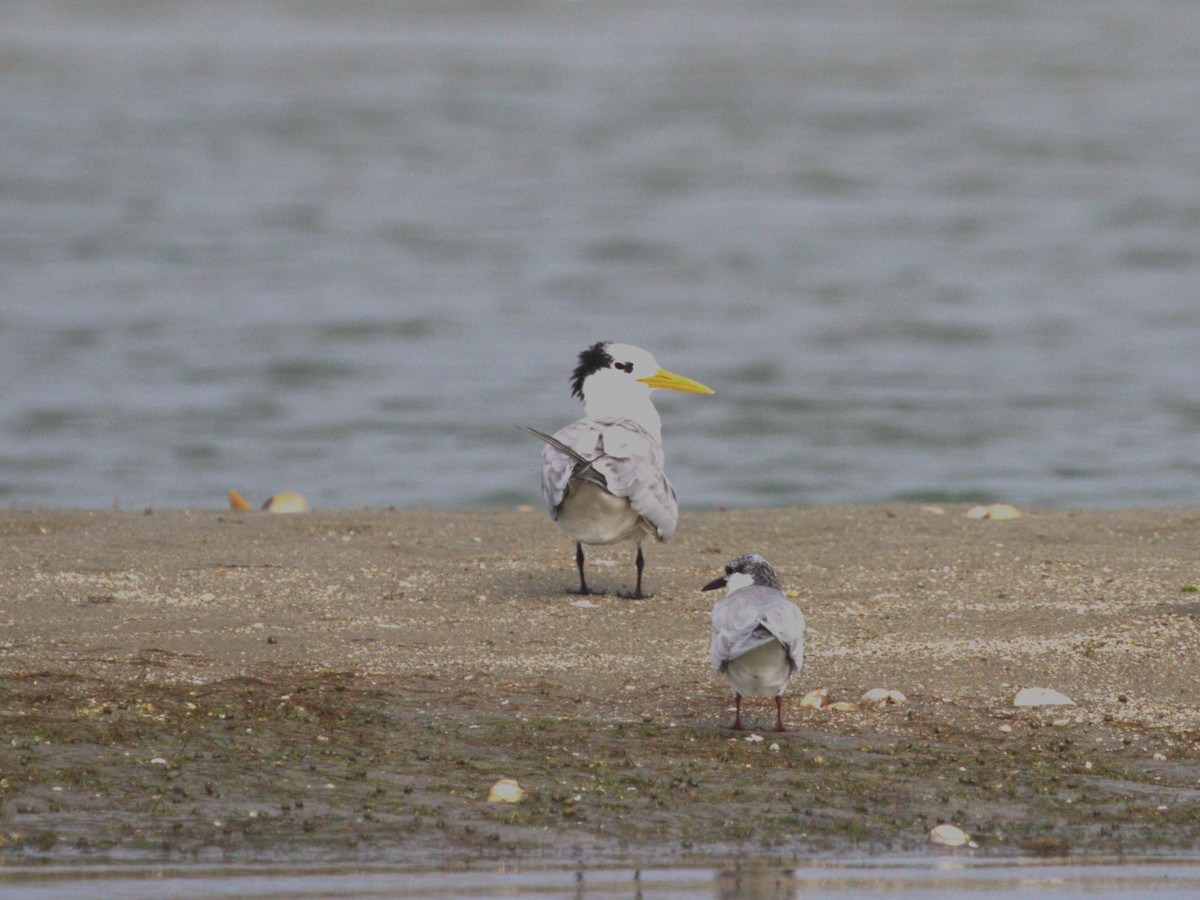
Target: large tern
602	476
758	633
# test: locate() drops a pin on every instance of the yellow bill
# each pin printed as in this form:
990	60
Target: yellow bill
672	382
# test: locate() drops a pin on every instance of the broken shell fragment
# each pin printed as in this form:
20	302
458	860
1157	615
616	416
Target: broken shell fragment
1039	696
814	699
881	697
286	502
843	706
949	836
994	511
506	790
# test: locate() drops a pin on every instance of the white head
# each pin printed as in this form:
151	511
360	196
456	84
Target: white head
615	380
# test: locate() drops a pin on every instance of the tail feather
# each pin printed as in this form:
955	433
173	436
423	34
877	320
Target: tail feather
753	637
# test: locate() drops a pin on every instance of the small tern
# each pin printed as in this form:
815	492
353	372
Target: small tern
758	633
602	476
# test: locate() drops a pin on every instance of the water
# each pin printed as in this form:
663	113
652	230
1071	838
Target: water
920	249
949	879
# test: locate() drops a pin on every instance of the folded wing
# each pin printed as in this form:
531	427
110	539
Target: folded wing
624	458
751	617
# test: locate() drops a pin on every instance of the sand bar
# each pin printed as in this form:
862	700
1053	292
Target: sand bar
450	631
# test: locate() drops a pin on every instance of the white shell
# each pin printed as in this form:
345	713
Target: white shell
1039	696
814	699
881	697
286	503
948	835
506	790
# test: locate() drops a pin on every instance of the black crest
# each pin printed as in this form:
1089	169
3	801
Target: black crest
591	360
756	567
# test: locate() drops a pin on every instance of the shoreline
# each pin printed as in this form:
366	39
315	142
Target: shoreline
360	641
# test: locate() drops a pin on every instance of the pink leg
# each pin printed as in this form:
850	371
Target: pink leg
779	713
737	718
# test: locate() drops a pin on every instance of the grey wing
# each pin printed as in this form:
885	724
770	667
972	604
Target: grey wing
784	620
737	620
583	438
633	464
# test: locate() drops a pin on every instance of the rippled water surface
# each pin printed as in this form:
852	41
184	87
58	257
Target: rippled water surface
920	249
950	879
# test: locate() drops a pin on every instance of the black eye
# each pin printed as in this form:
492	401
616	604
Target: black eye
624	367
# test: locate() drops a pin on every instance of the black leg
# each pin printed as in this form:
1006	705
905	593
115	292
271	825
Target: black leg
637	590
583	588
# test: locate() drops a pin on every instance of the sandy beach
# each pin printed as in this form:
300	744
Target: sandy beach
218	685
